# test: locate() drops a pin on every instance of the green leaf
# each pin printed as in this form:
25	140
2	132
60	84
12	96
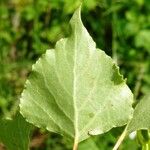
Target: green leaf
76	90
141	116
15	133
88	145
142	39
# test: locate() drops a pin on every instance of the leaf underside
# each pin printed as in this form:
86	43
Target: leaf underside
15	133
76	90
141	116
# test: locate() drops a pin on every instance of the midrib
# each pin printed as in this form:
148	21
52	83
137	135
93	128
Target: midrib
74	91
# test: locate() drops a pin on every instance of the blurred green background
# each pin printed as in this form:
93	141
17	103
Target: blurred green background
29	27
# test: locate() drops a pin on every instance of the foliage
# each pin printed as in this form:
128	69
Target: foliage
15	133
141	115
56	88
29	27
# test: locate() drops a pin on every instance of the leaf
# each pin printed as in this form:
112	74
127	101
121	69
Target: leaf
142	39
141	116
76	90
88	145
15	133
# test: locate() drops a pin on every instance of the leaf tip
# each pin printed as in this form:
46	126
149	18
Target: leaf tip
76	18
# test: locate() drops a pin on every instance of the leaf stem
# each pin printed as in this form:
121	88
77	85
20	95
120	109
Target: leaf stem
75	145
121	138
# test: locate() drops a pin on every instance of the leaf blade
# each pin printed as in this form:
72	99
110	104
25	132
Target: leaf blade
76	88
15	133
141	116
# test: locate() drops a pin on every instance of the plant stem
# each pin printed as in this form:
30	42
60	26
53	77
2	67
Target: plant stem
75	145
139	81
145	147
121	138
114	36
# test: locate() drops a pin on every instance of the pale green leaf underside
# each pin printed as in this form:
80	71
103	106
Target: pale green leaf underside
15	133
141	116
76	89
